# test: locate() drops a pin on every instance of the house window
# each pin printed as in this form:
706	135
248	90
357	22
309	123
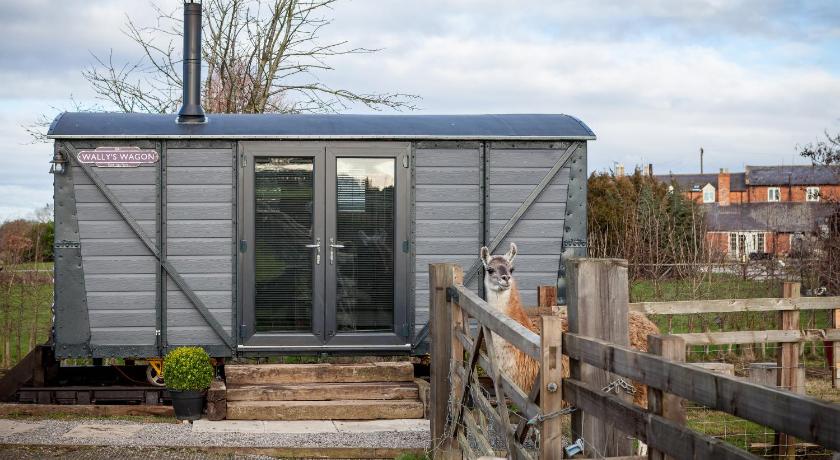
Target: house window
709	193
774	194
812	194
746	243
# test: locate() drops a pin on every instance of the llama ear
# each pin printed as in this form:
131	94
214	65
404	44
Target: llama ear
511	254
484	255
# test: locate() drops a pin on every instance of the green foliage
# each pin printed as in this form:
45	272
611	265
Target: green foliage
640	219
187	368
412	456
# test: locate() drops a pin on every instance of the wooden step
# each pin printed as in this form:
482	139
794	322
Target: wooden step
323	391
258	374
324	410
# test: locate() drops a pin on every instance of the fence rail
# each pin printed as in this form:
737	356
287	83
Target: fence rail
465	327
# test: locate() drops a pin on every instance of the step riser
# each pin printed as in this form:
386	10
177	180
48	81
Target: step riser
327	392
318	373
332	410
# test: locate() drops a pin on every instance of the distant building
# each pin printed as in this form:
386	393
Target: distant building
764	209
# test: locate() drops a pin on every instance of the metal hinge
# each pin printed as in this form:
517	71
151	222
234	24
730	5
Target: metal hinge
405	161
243	160
243	246
157	332
242	330
406	330
406	246
452	294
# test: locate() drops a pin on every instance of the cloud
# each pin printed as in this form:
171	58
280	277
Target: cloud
747	80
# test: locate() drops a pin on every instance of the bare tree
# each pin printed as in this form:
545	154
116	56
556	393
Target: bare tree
261	56
827	153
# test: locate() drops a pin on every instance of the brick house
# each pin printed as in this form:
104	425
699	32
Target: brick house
763	210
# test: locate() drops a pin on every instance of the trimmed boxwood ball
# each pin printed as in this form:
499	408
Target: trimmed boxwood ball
187	368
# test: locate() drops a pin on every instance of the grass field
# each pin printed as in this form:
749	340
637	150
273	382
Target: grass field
18	306
48	266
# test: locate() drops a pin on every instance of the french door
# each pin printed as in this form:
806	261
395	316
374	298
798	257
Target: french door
323	237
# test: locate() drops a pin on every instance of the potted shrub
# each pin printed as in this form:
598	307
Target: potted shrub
187	373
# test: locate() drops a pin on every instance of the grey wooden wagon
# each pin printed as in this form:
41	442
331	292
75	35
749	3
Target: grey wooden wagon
260	234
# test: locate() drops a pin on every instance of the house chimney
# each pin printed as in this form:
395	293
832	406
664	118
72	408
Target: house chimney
191	111
723	187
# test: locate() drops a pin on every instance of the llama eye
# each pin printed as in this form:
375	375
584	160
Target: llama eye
491	271
511	270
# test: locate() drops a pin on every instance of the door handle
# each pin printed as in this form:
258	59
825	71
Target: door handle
333	247
317	247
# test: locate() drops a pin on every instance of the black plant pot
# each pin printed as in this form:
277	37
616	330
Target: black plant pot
188	404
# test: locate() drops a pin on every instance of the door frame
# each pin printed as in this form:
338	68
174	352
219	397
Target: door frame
400	339
402	187
247	231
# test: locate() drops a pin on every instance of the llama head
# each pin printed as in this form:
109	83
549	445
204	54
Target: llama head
498	269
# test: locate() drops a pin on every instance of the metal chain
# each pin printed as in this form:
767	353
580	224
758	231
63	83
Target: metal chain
619	384
539	418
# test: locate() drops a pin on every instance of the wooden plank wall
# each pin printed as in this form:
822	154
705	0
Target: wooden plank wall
513	172
447	213
119	270
200	235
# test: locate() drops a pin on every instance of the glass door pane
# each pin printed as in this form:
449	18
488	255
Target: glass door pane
284	224
363	246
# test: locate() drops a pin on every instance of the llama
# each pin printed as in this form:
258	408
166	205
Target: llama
503	295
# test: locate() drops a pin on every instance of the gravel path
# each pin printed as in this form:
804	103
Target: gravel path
131	434
24	452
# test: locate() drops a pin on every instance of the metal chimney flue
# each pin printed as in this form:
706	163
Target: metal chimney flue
191	111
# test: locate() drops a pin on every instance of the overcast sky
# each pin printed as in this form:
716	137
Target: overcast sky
746	80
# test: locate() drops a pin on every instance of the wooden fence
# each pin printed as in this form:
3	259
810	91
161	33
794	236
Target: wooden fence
790	336
464	328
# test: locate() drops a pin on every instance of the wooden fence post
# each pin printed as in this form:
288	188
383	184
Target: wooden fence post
665	404
835	351
546	298
551	387
441	276
598	295
788	362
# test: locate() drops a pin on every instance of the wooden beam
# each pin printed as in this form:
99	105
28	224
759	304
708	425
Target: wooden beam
770	336
834	365
441	276
657	431
502	325
501	402
660	403
788	361
525	403
551	388
598	296
91	410
807	418
735	305
546	296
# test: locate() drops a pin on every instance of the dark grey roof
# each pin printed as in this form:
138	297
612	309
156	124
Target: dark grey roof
793	175
738	182
784	217
345	126
695	182
688	182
